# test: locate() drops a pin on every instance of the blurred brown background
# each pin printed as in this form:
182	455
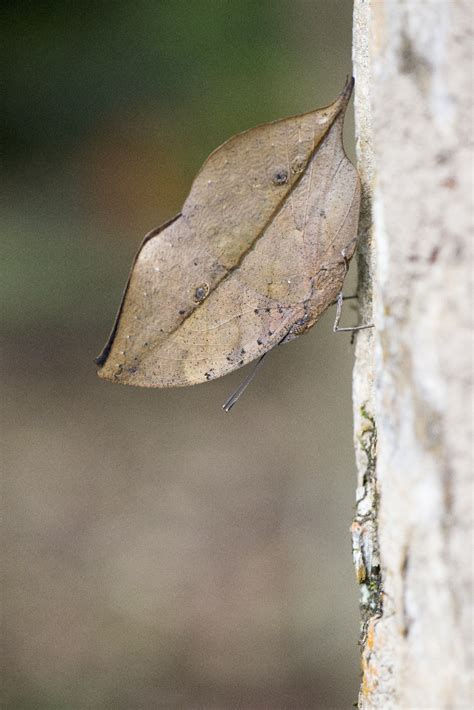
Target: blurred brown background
157	552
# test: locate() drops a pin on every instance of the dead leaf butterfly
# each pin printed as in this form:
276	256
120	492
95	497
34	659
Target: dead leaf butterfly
257	254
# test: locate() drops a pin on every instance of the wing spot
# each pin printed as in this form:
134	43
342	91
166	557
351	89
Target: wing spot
201	292
280	177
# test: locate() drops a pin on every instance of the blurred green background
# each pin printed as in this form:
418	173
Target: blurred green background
157	552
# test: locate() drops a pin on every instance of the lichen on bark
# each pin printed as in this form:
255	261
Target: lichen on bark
365	545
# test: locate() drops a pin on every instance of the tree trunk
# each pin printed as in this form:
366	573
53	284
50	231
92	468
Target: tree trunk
413	375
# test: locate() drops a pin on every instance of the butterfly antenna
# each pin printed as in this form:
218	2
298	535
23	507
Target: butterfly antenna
235	396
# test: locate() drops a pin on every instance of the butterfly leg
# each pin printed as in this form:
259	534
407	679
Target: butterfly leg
344	298
350	329
339	301
235	396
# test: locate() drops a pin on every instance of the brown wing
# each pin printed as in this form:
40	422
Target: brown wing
226	280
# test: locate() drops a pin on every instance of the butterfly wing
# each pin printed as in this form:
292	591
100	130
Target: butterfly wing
230	277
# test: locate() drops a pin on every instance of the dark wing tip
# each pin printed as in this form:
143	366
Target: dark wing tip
100	359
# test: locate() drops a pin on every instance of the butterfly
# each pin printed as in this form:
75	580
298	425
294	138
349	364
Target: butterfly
257	254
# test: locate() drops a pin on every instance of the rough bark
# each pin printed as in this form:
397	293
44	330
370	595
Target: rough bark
413	375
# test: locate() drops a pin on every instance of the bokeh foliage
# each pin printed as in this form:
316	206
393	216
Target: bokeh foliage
156	553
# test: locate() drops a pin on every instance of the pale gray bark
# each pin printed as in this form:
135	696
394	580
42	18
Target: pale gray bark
413	373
